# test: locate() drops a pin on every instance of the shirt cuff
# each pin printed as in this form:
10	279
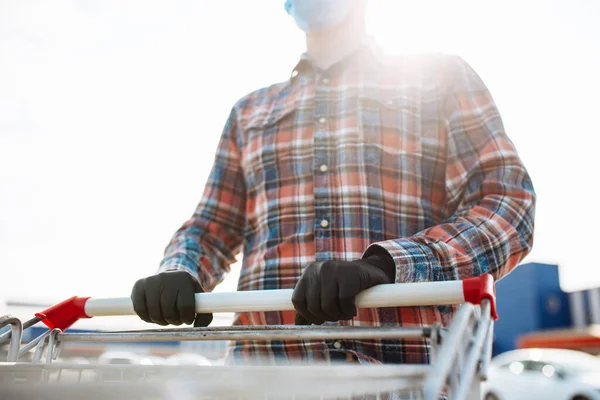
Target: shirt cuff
413	262
175	263
380	257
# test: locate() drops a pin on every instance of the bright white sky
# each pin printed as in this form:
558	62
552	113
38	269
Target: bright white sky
110	112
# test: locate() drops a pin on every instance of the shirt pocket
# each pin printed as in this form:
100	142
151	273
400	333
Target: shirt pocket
390	122
268	145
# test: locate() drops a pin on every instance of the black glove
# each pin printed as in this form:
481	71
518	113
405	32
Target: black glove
168	298
327	289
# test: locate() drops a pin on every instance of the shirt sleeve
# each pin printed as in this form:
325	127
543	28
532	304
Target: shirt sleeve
206	245
489	194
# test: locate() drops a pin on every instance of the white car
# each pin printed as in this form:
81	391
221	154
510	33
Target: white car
543	374
188	359
121	358
121	362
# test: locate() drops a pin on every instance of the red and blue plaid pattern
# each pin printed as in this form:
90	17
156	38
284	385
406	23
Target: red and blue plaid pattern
408	153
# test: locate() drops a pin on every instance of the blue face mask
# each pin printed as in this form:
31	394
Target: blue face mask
318	15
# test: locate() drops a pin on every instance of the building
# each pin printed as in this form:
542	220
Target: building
535	312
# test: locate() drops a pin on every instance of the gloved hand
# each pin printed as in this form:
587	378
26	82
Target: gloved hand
168	298
327	290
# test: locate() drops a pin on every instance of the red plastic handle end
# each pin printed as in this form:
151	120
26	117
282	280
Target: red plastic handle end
479	288
64	314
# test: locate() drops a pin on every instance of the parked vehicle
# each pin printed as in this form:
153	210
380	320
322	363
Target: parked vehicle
124	358
120	358
188	359
543	374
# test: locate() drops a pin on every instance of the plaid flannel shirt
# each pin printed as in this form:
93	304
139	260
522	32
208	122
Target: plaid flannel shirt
406	152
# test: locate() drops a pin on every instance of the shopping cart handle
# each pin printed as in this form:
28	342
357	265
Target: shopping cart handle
472	290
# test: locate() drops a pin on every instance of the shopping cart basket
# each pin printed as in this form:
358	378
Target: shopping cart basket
460	352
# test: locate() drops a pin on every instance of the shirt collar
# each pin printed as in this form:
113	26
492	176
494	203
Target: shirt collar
367	53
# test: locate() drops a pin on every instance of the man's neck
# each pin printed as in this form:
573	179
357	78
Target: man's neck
327	48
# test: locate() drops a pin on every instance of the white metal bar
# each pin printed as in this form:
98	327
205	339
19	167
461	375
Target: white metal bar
447	353
33	343
469	371
390	295
254	333
16	329
5	338
486	356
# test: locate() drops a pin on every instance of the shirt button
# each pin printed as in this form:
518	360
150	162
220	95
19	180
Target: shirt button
337	345
324	223
323	168
322	120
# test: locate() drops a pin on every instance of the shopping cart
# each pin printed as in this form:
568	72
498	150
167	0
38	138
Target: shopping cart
460	353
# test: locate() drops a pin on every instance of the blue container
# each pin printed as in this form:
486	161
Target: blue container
529	299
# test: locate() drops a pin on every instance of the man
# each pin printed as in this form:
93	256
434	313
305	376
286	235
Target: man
359	170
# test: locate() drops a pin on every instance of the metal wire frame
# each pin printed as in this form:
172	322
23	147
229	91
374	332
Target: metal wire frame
459	355
15	332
